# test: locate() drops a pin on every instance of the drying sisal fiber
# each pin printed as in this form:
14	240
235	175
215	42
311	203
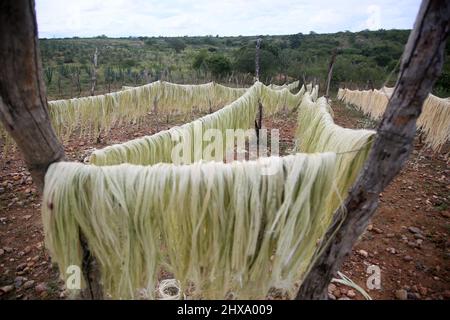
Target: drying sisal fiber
291	86
282	99
221	229
434	122
240	114
317	132
370	102
96	114
91	116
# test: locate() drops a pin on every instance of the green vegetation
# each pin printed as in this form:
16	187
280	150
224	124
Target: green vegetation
364	56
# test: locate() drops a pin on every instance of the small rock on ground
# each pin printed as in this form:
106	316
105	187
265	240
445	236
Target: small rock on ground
363	253
401	294
351	293
29	284
41	287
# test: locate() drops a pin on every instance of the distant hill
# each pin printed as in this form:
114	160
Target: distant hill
363	56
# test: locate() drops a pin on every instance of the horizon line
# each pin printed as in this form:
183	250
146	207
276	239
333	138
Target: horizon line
310	33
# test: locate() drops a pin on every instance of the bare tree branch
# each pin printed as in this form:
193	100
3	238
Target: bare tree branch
421	66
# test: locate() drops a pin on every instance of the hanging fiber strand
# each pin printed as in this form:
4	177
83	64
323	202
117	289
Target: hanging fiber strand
434	121
240	114
220	228
317	132
291	86
92	116
223	229
98	114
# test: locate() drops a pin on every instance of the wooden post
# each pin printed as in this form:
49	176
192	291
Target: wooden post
260	115
94	72
330	72
23	104
304	80
258	122
421	65
257	59
299	83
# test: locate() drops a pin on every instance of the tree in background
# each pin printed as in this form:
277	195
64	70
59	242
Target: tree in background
48	72
244	60
177	44
218	64
109	76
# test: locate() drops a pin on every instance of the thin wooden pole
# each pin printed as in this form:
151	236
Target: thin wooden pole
260	115
258	121
422	63
330	72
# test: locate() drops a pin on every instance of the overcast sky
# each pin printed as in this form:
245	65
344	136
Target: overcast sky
114	18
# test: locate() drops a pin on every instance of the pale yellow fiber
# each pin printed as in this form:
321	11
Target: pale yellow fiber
291	86
241	114
434	121
98	114
222	228
317	132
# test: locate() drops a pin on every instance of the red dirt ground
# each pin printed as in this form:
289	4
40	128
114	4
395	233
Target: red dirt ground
414	262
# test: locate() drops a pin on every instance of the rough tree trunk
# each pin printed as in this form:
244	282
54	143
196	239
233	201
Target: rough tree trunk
23	105
421	66
23	100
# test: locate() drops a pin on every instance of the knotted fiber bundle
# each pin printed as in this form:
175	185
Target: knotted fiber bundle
240	114
434	121
219	228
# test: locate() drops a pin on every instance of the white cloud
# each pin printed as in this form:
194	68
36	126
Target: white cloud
82	18
374	20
